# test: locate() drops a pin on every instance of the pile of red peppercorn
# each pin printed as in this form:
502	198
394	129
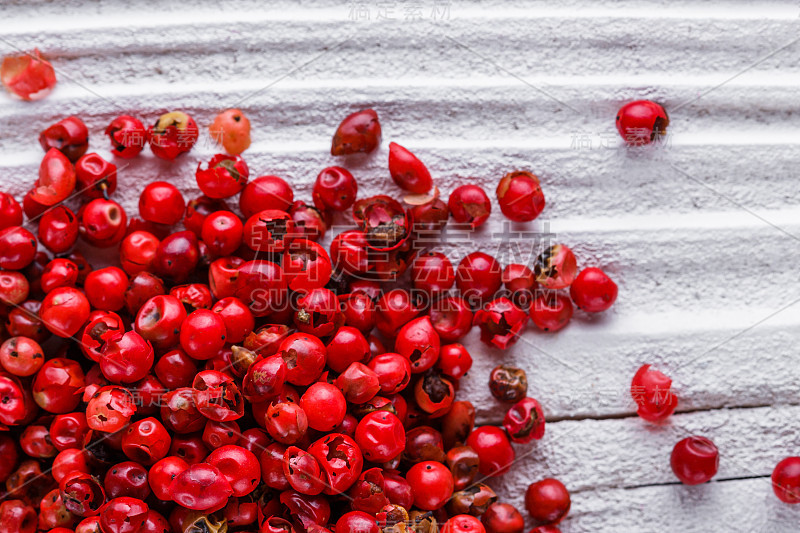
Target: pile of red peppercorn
233	375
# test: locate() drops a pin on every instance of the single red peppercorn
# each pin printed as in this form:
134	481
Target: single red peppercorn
642	122
407	171
224	176
694	460
433	484
358	132
547	501
503	518
551	311
520	196
524	421
469	204
127	135
786	480
652	392
95	176
173	134
28	75
492	446
556	267
335	189
161	202
58	229
593	291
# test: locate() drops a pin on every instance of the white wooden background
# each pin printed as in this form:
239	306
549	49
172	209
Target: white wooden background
701	234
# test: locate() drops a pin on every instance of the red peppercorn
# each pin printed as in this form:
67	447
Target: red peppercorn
217	396
432	272
433	484
127	135
551	311
454	360
358	132
95	176
177	256
231	129
358	383
556	267
21	356
265	192
102	222
58	229
161	202
393	371
173	134
222	232
520	196
239	466
451	317
652	392
593	291
126	358
64	310
419	343
407	171
503	518
434	394
340	459
17	248
469	204
324	405
286	422
110	409
463	523
381	436
524	421
492	446
137	252
28	75
335	189
238	318
200	487
347	346
146	441
786	480
309	221
642	122
307	265
162	473
127	479
501	323
10	211
547	501
225	176
269	231
14	288
359	311
70	136
694	460
478	277
105	288
56	179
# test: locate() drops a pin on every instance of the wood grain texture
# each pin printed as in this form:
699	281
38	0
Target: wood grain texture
701	233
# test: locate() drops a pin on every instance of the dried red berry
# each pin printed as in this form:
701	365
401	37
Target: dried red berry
358	132
694	460
642	122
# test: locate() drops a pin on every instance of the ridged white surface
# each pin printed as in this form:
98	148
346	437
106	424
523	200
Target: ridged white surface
701	234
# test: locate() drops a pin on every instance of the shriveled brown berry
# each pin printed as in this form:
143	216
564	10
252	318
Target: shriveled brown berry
473	500
508	383
463	462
